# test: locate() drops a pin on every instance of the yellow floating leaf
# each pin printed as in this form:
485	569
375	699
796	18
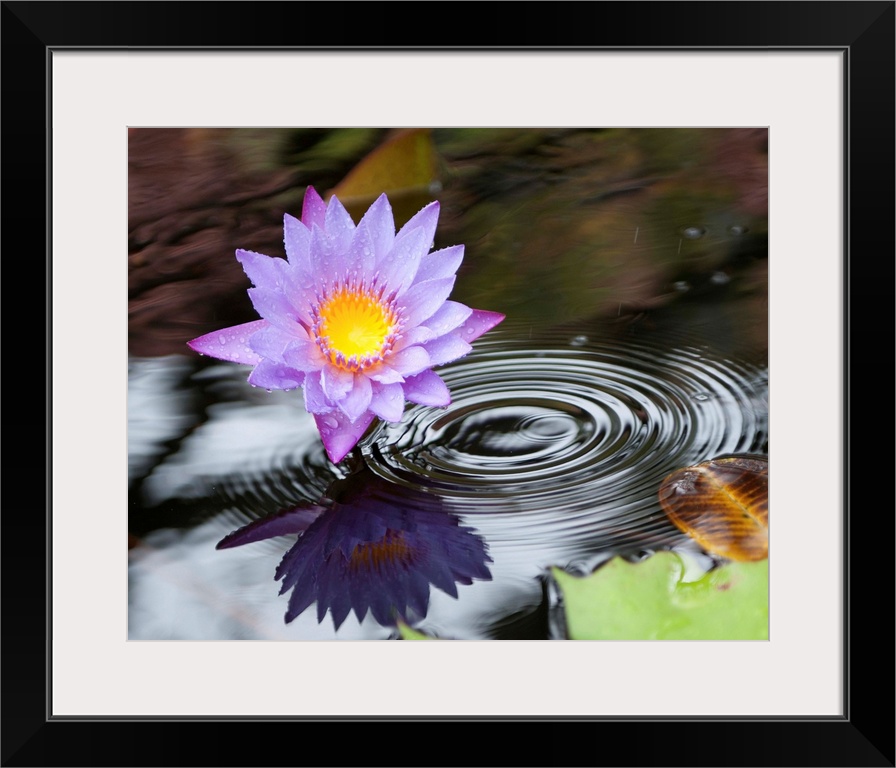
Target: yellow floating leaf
404	166
722	504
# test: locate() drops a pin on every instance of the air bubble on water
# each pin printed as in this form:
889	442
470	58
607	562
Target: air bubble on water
702	397
719	278
737	230
681	286
693	233
579	341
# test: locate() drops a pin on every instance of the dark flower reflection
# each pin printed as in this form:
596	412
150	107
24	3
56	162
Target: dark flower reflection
370	545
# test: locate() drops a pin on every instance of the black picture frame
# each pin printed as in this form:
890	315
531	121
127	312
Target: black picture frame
863	736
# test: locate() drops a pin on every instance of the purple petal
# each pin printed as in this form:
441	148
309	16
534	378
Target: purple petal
304	355
426	218
479	322
398	268
230	343
413	337
387	401
380	225
447	317
273	307
271	342
361	253
314	209
339	434
339	225
443	263
315	400
446	348
410	361
297	242
323	258
384	374
271	375
336	382
288	521
423	299
264	271
357	399
427	388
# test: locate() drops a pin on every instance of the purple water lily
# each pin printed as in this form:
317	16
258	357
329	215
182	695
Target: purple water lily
356	315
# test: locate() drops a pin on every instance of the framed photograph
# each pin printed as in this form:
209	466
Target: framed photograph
681	205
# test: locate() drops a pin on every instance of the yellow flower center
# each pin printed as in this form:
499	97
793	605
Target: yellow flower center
354	328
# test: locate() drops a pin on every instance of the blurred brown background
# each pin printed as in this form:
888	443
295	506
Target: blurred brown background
558	224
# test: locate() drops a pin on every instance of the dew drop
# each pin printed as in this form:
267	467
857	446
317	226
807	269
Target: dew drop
693	233
331	422
222	340
719	278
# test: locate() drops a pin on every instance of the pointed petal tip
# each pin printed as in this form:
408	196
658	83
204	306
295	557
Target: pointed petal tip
481	321
338	434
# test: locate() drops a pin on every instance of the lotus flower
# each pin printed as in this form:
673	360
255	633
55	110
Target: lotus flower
370	546
356	315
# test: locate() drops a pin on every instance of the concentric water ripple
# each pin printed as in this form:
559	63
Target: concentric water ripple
573	439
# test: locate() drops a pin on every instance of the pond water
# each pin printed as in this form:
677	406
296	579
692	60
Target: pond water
631	266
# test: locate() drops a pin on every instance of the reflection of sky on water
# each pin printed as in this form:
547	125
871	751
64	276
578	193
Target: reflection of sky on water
231	441
157	410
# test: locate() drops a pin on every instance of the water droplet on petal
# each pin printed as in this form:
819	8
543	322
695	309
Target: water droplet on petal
331	422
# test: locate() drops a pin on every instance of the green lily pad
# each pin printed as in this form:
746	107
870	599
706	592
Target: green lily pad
649	601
